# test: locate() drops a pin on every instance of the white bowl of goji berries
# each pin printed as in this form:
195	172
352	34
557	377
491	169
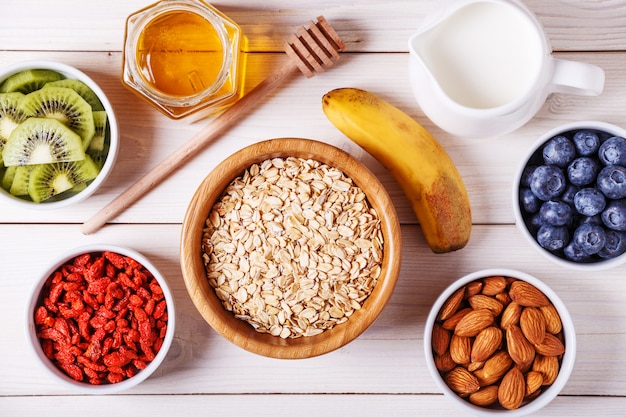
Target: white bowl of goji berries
100	319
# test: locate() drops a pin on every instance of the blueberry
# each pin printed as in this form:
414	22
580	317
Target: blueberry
555	213
548	182
589	237
612	181
559	151
586	142
569	193
527	174
589	201
574	253
533	223
615	244
614	215
552	238
529	201
613	151
582	171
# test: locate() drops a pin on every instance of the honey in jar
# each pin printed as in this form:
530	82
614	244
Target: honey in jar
183	56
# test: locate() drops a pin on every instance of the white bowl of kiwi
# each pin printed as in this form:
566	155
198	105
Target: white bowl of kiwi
58	135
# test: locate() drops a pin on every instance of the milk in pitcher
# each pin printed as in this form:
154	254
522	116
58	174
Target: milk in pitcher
484	55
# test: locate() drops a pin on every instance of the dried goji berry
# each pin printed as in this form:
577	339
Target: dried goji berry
52	334
74	277
96	270
111	271
126	281
99	285
114	378
41	314
90	300
139	364
63	327
73	371
52	307
116	259
147	351
48	350
82	260
149	307
159	310
116	358
55	292
106	345
64	356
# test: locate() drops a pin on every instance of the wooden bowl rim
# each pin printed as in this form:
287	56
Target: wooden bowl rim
241	333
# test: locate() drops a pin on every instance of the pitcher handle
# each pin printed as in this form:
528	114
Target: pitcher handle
580	78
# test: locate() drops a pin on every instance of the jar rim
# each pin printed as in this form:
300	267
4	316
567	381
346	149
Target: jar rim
147	16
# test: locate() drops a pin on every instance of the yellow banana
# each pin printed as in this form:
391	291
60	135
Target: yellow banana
414	158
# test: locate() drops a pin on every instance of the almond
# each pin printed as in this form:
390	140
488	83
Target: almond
512	389
473	322
440	339
474	366
534	381
482	301
511	315
452	304
553	320
497	365
533	325
493	285
451	322
461	381
485	396
548	366
485	380
473	288
486	343
527	295
444	363
503	298
550	346
460	349
521	350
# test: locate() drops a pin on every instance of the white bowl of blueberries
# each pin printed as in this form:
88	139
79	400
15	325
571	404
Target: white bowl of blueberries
569	195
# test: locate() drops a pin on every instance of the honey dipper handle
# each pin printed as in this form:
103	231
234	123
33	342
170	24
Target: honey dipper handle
201	139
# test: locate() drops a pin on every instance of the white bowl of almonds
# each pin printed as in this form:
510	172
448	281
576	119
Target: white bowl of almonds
500	341
290	248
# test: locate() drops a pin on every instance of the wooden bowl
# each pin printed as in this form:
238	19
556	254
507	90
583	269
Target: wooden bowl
240	332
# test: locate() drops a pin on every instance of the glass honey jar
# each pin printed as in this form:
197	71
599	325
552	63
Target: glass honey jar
183	57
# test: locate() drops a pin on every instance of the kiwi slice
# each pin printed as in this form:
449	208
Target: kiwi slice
49	180
100	123
41	141
65	105
7	177
11	114
82	89
29	80
19	186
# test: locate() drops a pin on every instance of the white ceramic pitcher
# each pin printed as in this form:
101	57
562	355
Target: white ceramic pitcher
483	68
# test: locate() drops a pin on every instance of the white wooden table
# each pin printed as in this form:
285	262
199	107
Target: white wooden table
383	371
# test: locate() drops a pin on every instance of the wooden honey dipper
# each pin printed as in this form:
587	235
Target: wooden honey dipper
312	49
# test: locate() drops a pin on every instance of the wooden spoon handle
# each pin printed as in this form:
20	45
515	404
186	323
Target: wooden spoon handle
200	140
